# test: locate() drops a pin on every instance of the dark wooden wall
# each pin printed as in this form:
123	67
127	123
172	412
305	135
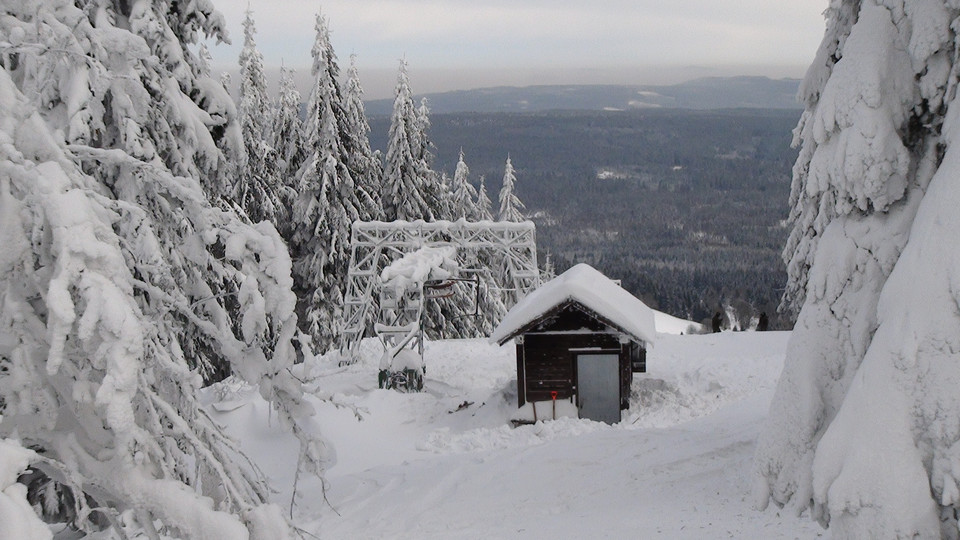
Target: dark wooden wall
547	356
638	357
626	376
550	365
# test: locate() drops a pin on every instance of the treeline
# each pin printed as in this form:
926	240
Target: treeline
313	176
686	207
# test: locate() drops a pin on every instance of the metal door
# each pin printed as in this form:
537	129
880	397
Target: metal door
598	387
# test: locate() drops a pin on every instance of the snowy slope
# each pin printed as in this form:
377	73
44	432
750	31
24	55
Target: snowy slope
414	466
668	324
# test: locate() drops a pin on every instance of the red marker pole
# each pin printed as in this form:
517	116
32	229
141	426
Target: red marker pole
553	394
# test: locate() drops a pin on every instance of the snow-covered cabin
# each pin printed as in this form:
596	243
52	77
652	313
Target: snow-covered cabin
580	337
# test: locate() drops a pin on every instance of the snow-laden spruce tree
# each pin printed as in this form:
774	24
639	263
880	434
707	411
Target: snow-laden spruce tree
286	132
421	143
492	308
463	205
121	286
463	196
864	429
363	162
287	127
436	186
405	195
328	202
549	271
259	191
484	204
442	320
444	197
510	205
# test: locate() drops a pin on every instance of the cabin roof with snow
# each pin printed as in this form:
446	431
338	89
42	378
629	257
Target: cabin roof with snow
589	288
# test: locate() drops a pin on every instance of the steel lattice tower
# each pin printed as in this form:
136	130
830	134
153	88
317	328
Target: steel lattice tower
375	243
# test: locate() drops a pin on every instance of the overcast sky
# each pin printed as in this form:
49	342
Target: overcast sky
461	44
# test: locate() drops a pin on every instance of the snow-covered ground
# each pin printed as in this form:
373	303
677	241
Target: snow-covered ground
445	463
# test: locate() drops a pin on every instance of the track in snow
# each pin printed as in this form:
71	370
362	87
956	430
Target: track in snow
678	466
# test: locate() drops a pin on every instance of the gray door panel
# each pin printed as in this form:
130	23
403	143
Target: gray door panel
598	387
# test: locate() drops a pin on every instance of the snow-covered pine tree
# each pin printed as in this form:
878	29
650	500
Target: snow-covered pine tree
484	204
405	194
549	271
225	80
120	284
462	205
421	142
463	196
363	162
441	319
259	189
204	58
492	308
447	319
444	196
286	140
510	205
436	188
863	428
328	202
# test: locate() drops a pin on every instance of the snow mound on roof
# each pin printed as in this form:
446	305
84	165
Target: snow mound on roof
590	288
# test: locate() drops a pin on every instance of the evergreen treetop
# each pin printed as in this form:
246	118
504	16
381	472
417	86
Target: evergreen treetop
286	136
363	162
405	193
463	195
328	201
258	187
484	204
510	205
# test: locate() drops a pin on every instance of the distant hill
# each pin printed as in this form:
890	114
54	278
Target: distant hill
706	93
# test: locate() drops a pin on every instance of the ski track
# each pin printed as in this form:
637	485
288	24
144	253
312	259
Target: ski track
678	466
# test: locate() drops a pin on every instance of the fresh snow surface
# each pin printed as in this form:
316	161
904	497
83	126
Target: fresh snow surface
592	289
668	324
445	463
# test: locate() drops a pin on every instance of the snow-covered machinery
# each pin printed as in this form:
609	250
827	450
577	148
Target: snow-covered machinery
405	286
395	303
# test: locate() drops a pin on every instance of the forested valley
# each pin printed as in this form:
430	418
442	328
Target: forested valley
686	207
